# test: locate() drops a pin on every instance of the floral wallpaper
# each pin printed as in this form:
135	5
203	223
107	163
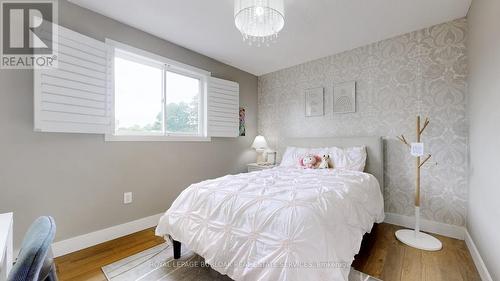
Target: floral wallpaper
423	72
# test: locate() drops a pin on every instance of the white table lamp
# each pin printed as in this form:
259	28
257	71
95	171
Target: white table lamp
260	145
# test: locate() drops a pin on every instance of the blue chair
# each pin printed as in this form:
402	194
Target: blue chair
35	262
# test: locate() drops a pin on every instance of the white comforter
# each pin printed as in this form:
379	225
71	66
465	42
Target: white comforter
277	224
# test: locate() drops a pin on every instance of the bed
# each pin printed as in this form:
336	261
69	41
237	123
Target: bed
284	223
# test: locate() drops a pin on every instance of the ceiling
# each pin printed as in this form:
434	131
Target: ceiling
313	28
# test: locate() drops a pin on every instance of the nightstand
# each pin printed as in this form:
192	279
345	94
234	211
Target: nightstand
254	167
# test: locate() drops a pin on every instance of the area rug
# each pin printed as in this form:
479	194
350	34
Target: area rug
157	264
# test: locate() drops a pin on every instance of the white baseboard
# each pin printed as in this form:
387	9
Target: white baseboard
74	244
476	257
453	231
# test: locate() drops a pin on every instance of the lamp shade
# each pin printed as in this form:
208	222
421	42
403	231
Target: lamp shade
259	143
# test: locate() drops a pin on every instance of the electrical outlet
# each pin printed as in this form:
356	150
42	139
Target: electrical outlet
127	197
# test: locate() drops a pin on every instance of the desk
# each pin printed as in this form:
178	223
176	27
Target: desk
6	221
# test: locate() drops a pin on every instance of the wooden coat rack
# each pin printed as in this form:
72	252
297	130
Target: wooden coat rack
420	130
416	238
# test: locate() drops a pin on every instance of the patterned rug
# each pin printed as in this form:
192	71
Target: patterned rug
157	264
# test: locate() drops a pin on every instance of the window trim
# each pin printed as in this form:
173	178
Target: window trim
157	58
168	65
152	138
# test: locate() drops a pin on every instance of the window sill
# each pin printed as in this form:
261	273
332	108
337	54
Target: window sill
111	138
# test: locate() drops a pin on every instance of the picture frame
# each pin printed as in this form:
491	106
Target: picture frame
344	97
271	157
314	102
242	126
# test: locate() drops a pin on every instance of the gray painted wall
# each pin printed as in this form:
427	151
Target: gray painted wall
80	179
426	67
483	220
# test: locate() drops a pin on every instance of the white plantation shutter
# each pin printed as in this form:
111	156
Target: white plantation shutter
78	95
73	97
222	108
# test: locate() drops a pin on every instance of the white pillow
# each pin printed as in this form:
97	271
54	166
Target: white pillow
351	158
293	155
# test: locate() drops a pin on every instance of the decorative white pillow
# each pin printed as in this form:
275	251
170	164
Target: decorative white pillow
288	157
351	158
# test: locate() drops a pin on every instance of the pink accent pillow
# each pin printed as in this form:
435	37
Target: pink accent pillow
293	155
310	161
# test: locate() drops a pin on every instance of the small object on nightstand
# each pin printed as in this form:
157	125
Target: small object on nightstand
259	167
271	157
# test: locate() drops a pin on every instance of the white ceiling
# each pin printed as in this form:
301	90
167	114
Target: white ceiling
313	28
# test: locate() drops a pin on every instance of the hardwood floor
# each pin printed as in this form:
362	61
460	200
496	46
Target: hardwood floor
86	264
381	256
384	257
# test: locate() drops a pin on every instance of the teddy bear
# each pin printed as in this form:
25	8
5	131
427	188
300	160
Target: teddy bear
325	159
309	161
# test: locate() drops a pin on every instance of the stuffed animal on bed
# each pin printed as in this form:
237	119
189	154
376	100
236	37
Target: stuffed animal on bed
324	162
309	161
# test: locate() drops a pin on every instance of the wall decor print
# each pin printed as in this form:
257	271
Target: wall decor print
242	122
315	102
344	97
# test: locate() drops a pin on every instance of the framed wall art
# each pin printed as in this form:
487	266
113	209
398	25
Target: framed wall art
344	97
315	99
242	122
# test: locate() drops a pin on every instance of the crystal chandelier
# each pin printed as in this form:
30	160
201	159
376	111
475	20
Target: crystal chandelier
259	21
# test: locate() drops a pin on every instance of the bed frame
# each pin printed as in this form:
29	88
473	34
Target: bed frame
374	161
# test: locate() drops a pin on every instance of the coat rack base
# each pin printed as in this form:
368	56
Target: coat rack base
419	240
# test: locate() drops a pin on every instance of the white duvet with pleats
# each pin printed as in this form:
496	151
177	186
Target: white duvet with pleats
277	224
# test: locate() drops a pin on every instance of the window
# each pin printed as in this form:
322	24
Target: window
155	99
138	97
128	94
182	104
